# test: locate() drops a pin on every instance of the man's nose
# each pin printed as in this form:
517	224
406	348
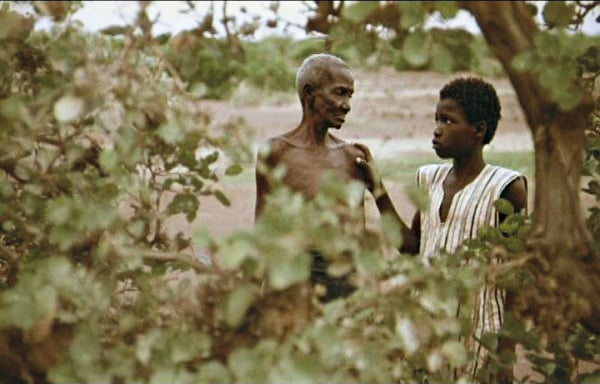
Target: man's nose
437	132
345	106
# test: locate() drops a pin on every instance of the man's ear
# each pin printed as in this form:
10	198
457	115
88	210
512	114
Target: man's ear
308	90
308	94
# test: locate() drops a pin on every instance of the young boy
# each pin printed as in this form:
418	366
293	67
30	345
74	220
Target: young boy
462	193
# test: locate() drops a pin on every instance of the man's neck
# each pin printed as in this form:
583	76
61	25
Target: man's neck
311	133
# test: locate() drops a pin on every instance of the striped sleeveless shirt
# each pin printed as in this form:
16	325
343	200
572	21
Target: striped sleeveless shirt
471	209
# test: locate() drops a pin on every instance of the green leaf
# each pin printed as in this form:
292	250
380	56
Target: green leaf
416	49
419	197
234	251
369	262
360	10
558	13
447	9
85	348
490	341
170	133
522	62
109	160
184	203
222	198
514	245
237	304
233	170
392	232
591	378
213	372
186	347
145	344
444	59
164	374
411	13
504	206
455	352
285	270
59	211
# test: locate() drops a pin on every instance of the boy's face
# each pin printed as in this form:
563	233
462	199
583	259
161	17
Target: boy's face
453	136
332	98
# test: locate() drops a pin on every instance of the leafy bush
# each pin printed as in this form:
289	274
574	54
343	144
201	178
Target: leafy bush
102	146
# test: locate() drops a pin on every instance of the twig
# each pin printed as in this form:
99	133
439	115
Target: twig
171	256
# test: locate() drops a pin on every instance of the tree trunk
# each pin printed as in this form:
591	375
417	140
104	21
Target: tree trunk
559	235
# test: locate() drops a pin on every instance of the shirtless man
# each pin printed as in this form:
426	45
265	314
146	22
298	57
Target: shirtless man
325	86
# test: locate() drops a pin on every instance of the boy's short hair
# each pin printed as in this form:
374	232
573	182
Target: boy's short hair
478	100
312	68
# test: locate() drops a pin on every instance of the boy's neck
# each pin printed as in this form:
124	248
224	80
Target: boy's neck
467	167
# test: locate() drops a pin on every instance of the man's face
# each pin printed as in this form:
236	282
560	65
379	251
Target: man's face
332	98
453	136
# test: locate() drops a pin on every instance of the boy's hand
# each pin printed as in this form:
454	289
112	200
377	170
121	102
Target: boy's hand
369	171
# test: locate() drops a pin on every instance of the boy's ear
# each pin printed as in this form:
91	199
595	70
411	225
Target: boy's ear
481	129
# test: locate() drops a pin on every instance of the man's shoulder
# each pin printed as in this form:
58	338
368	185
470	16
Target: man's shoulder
346	146
273	147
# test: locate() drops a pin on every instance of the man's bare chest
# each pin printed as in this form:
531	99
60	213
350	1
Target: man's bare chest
306	169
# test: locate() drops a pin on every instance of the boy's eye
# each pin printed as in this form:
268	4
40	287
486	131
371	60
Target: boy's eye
442	120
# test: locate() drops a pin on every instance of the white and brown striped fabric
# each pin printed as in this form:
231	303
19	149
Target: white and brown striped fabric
471	209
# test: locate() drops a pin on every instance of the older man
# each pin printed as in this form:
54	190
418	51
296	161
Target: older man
325	87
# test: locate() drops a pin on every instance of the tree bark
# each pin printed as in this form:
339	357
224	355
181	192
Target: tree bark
559	234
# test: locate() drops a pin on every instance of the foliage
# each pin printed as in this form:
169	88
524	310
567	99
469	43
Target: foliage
103	144
213	68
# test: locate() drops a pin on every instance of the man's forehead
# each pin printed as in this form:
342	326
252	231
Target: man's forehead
338	74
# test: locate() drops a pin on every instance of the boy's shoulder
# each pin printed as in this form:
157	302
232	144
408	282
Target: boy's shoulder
431	170
429	173
501	172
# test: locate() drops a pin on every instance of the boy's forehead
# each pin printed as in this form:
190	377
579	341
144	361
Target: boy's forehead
449	104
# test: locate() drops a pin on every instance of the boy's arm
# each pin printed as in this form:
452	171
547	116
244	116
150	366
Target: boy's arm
384	204
410	236
516	193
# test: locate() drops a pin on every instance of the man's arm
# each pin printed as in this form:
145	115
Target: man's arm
261	190
267	158
263	158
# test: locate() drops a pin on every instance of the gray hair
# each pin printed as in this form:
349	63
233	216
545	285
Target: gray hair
311	70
